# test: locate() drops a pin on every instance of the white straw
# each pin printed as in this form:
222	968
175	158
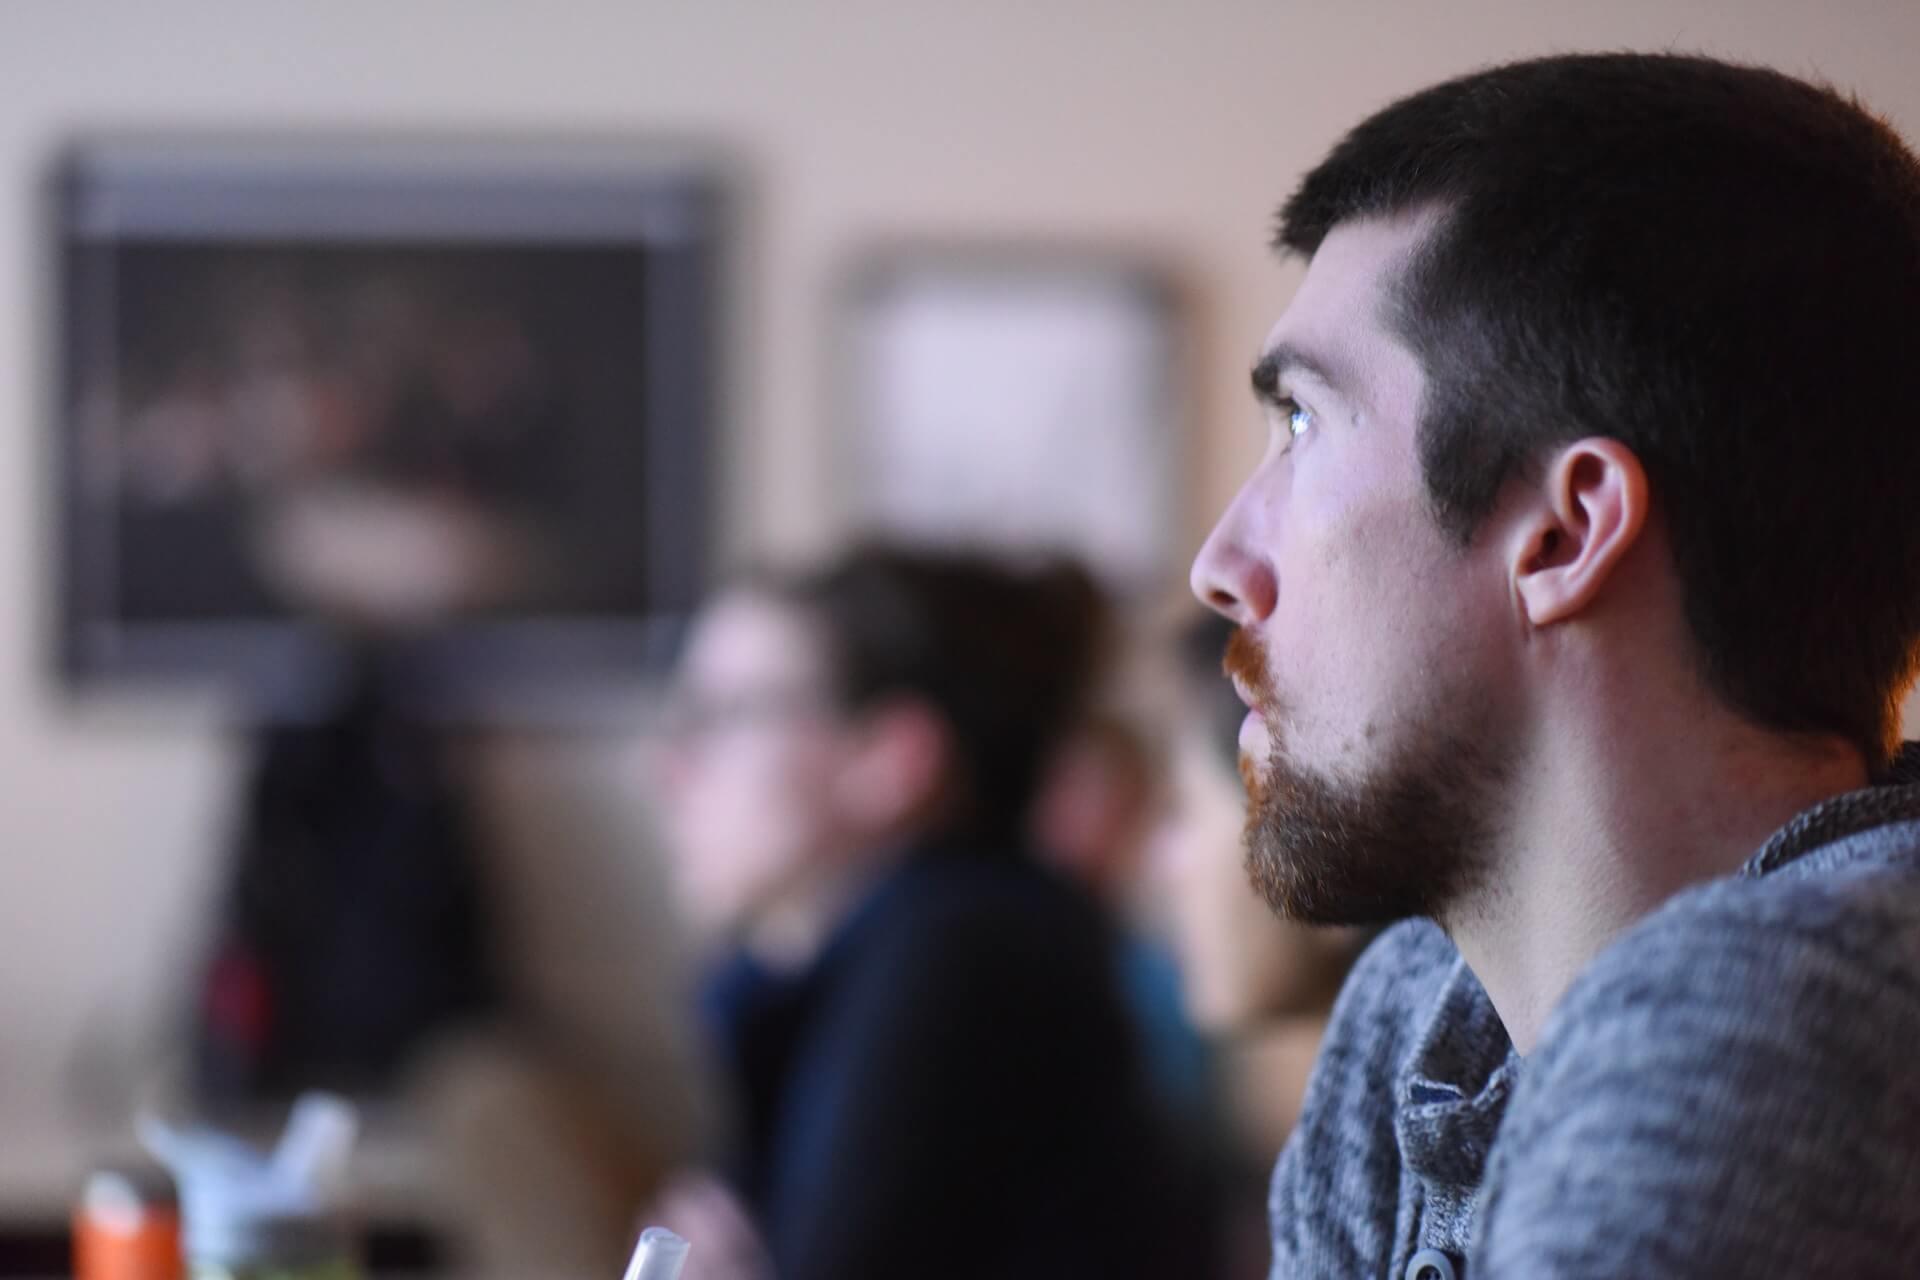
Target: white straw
659	1256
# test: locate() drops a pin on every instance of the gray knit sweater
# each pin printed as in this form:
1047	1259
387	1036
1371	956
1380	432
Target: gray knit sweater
1732	1088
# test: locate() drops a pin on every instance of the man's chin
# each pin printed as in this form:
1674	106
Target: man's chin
1256	743
1393	845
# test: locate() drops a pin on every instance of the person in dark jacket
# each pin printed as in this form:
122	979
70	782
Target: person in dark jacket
934	1069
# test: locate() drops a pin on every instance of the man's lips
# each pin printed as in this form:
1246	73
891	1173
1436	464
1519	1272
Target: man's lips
1245	665
1252	738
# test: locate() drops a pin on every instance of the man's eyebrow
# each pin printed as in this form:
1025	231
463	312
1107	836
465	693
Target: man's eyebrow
1284	358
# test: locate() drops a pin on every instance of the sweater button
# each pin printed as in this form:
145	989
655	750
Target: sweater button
1431	1264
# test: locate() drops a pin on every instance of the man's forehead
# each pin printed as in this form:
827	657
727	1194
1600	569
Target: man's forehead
1338	318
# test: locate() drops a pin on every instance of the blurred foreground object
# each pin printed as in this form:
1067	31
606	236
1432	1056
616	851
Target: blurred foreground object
660	1255
253	1216
127	1227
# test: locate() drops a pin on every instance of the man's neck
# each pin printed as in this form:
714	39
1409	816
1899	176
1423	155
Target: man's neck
1609	829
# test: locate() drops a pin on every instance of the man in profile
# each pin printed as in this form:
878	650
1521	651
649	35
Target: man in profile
1576	594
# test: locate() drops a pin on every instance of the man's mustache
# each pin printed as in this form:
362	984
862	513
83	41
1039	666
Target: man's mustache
1246	663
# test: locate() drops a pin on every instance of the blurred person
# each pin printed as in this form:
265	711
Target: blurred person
1091	820
1576	593
356	924
1094	806
935	1071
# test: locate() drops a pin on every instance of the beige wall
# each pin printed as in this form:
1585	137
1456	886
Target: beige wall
1170	128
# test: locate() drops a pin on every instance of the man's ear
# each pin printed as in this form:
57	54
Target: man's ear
1582	520
898	762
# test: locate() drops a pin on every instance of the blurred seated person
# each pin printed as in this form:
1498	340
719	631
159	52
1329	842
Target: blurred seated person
1259	987
1097	807
935	1073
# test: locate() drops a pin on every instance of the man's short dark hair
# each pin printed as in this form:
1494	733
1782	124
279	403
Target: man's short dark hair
1718	266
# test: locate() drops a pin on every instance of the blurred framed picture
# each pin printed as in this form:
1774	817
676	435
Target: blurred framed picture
1020	400
456	393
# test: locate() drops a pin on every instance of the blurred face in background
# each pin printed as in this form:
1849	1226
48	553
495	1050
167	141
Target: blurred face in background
752	761
1094	805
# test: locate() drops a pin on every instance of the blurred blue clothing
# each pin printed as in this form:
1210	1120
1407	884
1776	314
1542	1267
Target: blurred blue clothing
1178	1063
955	1088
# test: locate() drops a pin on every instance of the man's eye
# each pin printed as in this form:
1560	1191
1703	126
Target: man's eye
1298	419
1295	417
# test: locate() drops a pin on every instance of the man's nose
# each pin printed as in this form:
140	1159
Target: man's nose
1233	577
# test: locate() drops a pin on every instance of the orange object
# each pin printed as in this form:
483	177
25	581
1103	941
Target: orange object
126	1227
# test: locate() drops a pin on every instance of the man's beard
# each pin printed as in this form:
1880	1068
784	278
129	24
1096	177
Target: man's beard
1409	839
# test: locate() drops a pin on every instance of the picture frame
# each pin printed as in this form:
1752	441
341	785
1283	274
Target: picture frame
1017	399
